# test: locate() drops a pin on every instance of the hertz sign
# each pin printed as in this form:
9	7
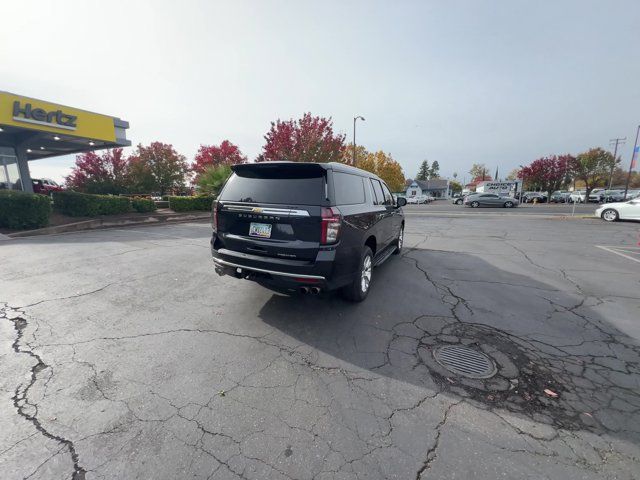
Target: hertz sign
32	114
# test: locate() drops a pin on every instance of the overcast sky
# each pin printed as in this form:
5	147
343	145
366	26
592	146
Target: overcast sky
496	82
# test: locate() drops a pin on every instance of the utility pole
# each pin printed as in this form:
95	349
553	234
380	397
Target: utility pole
355	160
616	142
632	164
522	187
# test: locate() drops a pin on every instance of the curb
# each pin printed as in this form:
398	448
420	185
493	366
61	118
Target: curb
106	222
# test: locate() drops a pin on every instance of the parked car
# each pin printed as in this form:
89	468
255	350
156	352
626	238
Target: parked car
560	196
419	199
596	195
460	199
489	200
629	210
577	196
305	227
613	196
45	186
631	194
529	197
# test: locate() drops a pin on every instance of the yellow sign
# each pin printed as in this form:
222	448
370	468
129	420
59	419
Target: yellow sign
32	114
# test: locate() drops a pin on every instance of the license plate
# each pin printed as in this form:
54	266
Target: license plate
262	230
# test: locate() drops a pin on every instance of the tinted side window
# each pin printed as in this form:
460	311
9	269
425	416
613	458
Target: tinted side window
349	188
377	192
388	198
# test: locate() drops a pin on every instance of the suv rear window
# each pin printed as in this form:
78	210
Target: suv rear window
288	186
349	188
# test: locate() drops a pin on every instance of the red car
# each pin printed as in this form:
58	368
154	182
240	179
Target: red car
44	186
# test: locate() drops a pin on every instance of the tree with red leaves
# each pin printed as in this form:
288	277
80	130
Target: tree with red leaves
548	174
309	139
217	155
103	172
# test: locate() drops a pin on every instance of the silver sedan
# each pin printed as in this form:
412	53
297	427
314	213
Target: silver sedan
489	200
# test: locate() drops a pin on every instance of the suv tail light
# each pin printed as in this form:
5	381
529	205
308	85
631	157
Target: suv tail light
214	216
331	221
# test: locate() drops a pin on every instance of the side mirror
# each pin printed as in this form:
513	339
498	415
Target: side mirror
401	202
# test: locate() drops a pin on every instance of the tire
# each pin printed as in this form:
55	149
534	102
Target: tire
508	204
475	204
610	215
354	291
400	241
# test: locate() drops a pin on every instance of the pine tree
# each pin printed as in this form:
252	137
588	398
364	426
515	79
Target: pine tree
423	173
434	172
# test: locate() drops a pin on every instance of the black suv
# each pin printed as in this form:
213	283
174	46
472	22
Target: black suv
305	227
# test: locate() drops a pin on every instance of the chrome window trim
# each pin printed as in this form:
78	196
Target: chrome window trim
266	210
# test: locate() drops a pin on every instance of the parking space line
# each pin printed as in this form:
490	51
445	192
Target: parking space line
629	257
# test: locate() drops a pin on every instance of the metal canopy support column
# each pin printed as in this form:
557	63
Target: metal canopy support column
23	168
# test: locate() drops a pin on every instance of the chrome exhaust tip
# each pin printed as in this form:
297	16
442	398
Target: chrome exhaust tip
304	290
315	290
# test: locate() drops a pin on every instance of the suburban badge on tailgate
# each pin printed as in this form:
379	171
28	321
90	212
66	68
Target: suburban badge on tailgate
258	217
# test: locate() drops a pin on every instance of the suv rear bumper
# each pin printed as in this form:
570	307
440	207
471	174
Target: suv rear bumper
277	273
224	263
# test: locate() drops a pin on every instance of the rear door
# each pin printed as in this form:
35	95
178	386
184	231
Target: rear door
395	215
273	210
384	212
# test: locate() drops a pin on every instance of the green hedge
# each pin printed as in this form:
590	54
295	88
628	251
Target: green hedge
186	204
143	205
20	210
77	204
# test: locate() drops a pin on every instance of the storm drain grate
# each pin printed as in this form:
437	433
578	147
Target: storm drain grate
465	361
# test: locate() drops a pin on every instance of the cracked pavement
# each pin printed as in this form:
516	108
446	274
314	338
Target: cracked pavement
123	355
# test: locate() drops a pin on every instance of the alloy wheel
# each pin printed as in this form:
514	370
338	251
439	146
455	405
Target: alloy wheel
365	278
610	215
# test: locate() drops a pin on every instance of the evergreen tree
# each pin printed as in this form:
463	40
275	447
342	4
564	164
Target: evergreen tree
434	172
423	173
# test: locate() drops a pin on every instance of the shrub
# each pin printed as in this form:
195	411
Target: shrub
77	204
21	210
212	179
186	204
143	205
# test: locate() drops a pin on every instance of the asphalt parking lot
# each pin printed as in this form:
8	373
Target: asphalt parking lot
123	355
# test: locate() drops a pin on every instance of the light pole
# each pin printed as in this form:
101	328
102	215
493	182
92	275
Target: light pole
355	160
